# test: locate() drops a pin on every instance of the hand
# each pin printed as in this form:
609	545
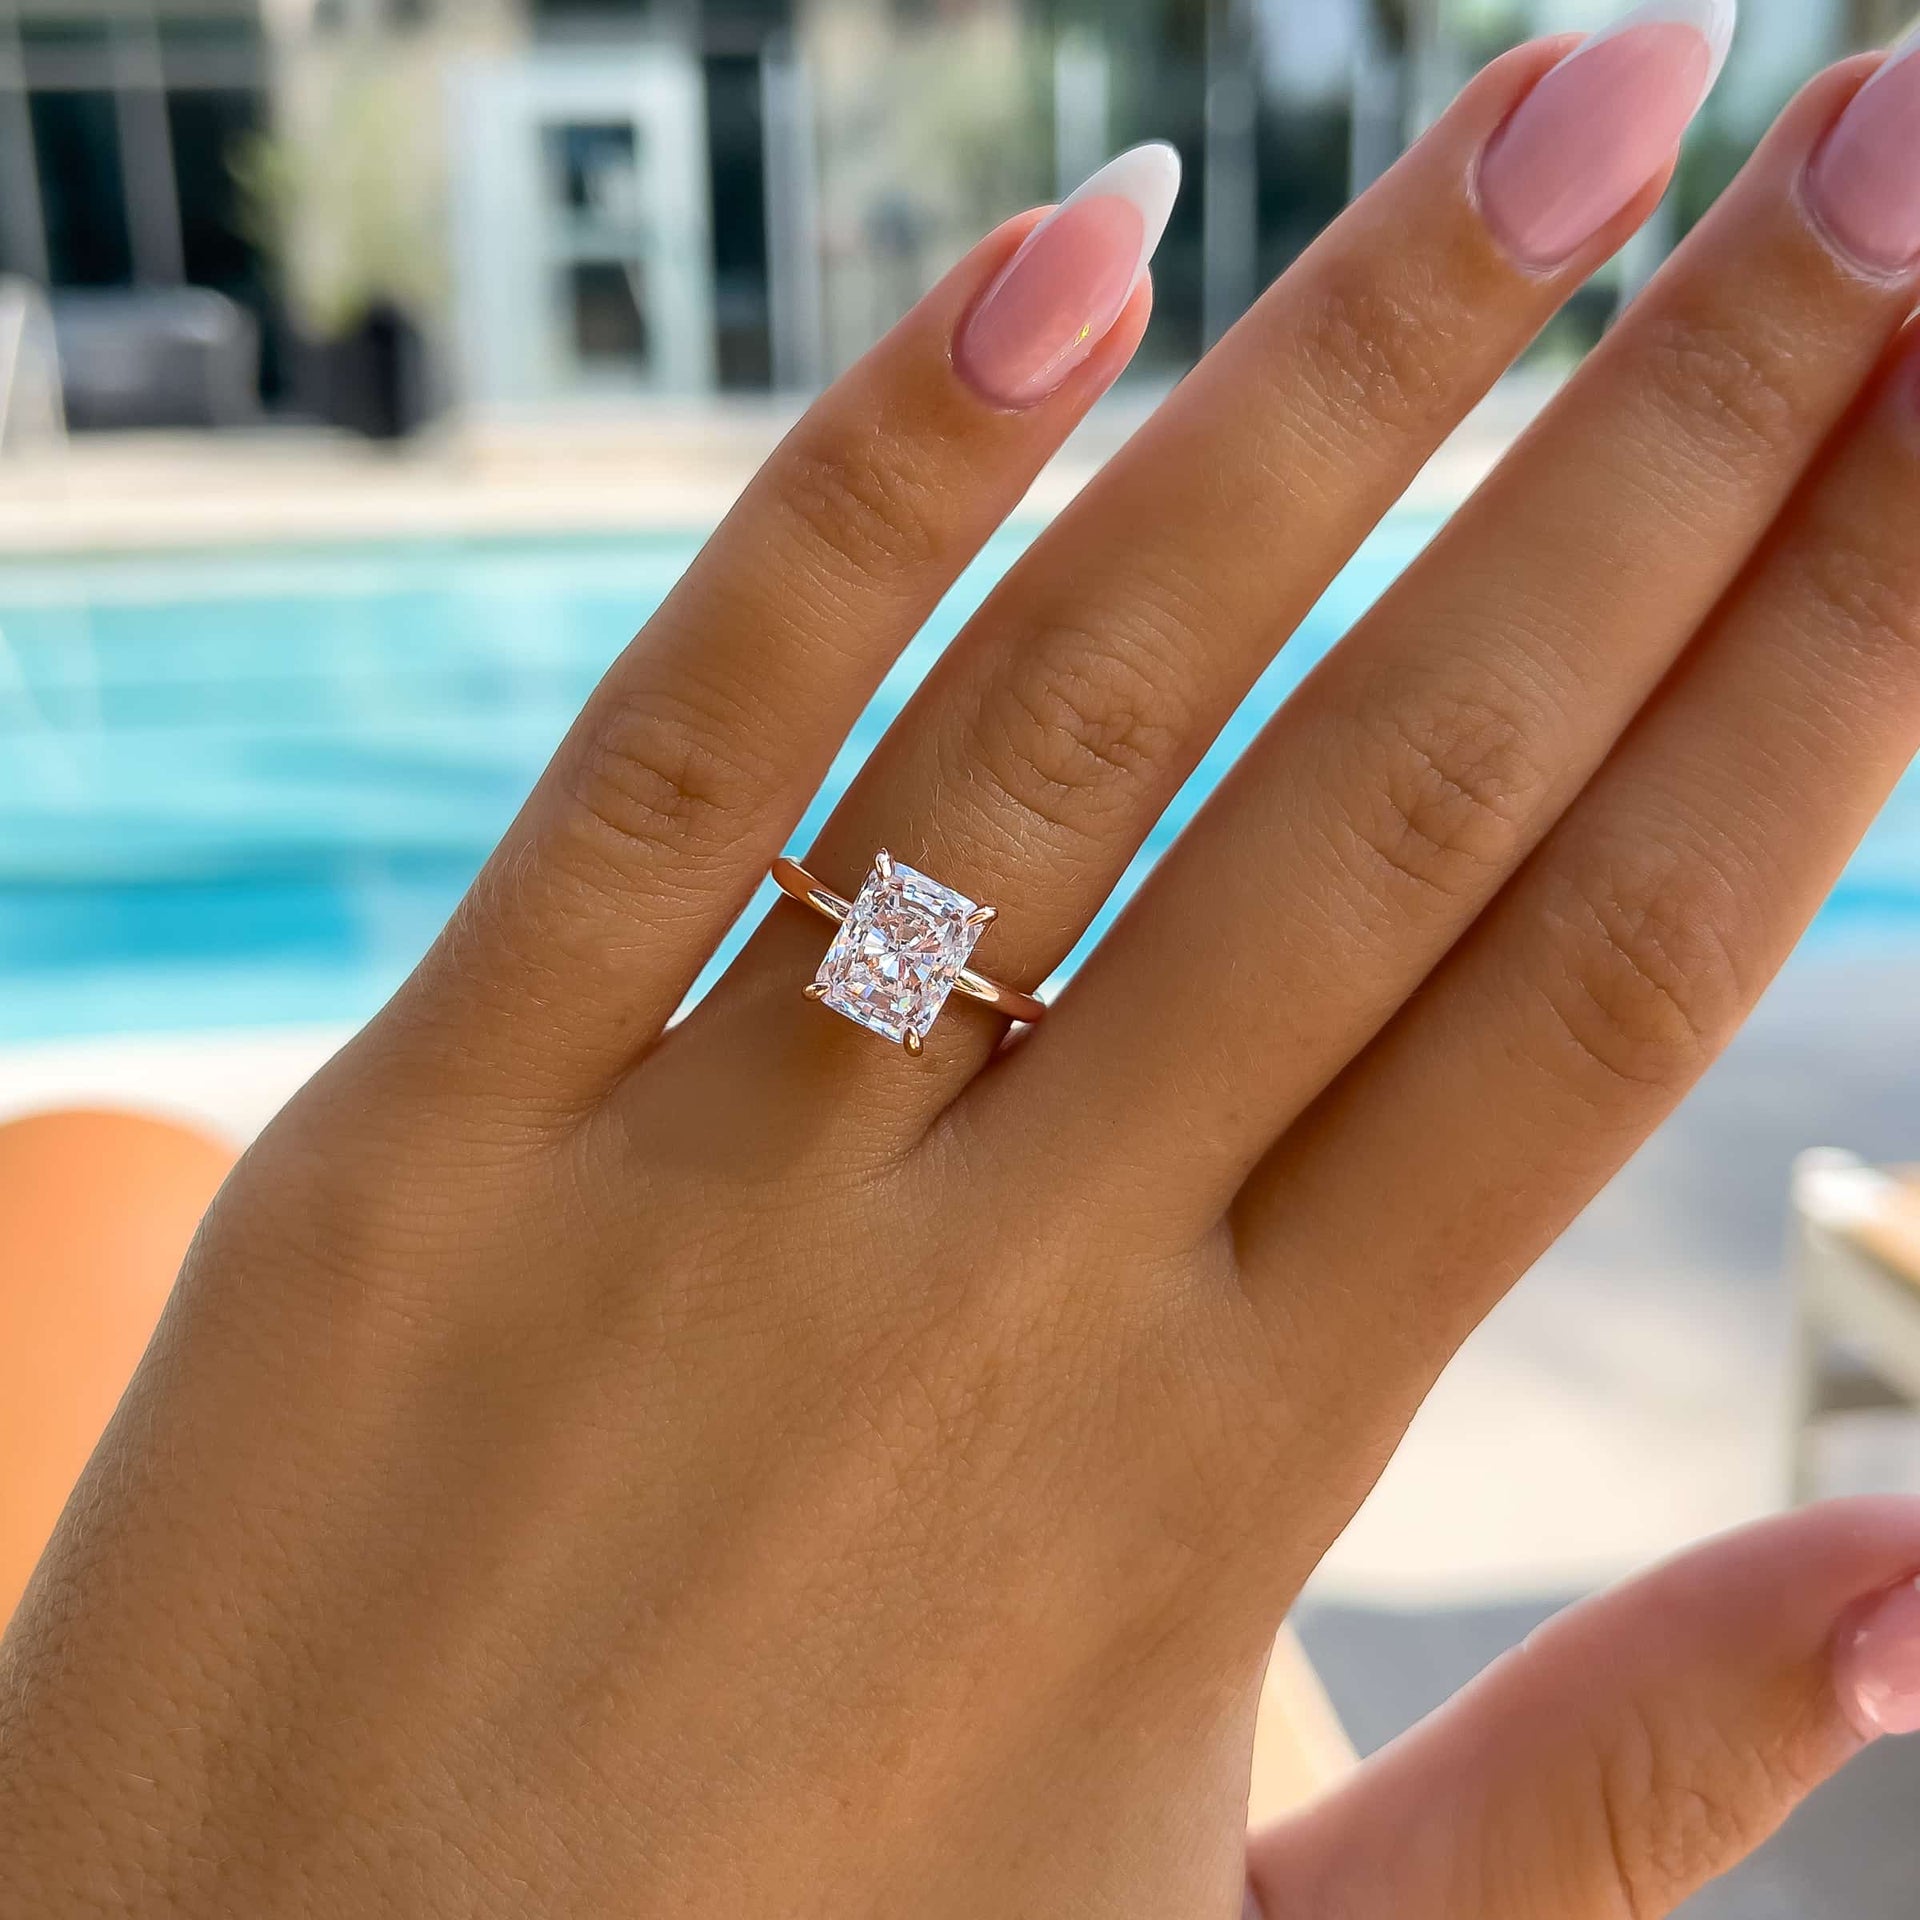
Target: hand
593	1466
1632	1748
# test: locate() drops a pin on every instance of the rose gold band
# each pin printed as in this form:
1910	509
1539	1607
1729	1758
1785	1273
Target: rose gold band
798	884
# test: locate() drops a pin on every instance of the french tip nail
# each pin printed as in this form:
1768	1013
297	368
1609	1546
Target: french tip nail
1599	128
1069	280
1150	171
1713	20
1147	176
1725	17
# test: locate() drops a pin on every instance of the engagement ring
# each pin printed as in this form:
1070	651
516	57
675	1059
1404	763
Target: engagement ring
902	948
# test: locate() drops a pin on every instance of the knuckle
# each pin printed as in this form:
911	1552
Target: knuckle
1647	983
1852	596
1681	1807
1376	354
1454	779
862	501
661	777
1074	730
1732	381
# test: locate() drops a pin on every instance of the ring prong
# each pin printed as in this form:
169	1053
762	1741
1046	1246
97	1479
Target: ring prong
983	917
814	990
883	864
914	1045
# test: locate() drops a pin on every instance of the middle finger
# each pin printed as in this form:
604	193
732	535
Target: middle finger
1039	753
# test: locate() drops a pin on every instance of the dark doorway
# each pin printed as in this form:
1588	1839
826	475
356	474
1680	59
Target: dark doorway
737	157
76	150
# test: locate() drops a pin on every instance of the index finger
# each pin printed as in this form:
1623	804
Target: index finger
704	743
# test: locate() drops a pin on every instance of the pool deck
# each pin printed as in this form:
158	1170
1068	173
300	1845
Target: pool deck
665	467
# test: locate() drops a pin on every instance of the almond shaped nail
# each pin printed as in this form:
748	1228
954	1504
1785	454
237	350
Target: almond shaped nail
1599	126
1863	183
1053	303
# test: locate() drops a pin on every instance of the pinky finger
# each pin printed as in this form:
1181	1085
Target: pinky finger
1615	967
1637	1747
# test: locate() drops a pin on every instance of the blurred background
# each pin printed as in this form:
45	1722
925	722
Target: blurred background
406	206
370	368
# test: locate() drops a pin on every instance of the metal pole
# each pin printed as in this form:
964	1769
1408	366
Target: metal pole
1229	210
22	235
1376	100
1434	66
146	154
796	313
1082	89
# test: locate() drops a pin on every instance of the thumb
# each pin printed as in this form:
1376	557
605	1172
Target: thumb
1635	1747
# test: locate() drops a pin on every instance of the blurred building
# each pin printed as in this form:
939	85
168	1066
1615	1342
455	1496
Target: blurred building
580	200
115	122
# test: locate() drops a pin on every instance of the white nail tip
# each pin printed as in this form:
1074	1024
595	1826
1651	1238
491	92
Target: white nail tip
1149	177
1713	20
1902	49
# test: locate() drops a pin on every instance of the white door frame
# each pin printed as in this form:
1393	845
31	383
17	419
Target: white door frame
512	248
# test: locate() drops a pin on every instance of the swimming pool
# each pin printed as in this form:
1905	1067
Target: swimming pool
243	789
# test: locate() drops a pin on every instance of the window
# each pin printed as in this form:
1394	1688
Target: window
593	172
76	150
605	299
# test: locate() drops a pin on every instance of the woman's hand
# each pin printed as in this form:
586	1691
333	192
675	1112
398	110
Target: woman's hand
596	1468
1634	1747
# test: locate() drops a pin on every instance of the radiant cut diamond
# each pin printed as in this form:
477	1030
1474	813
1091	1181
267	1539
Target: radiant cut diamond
898	953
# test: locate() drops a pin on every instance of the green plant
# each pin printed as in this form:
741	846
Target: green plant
344	196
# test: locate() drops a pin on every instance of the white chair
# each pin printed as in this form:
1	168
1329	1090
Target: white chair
31	407
1299	1747
1855	1263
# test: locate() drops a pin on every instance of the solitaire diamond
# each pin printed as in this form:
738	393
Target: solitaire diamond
898	953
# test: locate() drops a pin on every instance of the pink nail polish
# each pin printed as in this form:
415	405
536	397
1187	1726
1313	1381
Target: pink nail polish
1599	126
1878	1666
1058	297
1864	182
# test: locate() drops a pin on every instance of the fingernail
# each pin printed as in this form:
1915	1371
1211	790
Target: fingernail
1599	126
1058	297
1864	182
1878	1664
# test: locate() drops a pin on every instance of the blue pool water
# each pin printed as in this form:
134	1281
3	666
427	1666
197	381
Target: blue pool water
245	788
